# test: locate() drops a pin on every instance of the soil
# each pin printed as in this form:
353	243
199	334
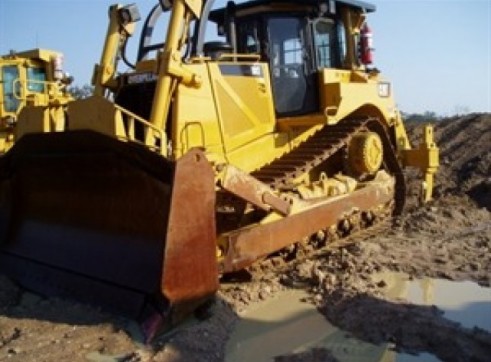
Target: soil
448	238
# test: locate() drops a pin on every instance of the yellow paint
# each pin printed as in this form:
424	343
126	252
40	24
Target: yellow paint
226	106
365	153
426	159
48	96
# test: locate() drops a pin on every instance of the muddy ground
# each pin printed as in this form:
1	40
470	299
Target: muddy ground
449	238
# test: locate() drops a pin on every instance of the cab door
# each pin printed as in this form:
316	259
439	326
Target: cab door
294	77
11	89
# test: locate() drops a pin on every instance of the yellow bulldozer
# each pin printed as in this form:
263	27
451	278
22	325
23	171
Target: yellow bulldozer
207	156
32	77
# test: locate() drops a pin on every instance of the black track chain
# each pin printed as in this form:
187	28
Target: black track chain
324	144
310	153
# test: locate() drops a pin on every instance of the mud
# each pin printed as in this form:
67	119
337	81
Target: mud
449	238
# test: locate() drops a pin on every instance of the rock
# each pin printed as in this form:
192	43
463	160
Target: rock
475	266
381	284
263	294
14	351
440	260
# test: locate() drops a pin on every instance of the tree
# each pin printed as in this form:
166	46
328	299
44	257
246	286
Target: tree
427	116
460	110
82	92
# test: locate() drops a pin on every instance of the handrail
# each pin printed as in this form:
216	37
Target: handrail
50	89
153	136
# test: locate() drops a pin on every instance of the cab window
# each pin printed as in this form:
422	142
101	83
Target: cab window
325	42
286	42
293	78
36	78
11	88
248	38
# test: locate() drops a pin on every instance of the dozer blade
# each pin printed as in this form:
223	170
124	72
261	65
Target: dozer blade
110	223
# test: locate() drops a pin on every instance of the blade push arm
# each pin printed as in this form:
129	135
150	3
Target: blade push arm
122	21
170	69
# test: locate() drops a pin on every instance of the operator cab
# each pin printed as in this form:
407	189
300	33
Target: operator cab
296	38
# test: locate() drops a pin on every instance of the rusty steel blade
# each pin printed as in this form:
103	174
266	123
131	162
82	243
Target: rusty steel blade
89	217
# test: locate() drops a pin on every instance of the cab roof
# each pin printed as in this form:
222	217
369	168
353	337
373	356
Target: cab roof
44	55
364	6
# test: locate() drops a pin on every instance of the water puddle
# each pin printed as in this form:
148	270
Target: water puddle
463	302
286	324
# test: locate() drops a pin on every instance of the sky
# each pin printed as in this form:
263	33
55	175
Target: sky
436	53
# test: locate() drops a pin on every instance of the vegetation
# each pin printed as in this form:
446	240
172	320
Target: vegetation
421	117
81	92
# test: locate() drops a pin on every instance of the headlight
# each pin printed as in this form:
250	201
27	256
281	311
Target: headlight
384	89
129	14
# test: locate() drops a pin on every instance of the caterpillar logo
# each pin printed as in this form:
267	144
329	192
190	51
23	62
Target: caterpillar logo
141	78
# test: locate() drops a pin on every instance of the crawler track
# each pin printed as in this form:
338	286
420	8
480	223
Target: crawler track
316	246
326	142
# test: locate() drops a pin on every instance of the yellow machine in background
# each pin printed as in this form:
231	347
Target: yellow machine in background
207	156
35	78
